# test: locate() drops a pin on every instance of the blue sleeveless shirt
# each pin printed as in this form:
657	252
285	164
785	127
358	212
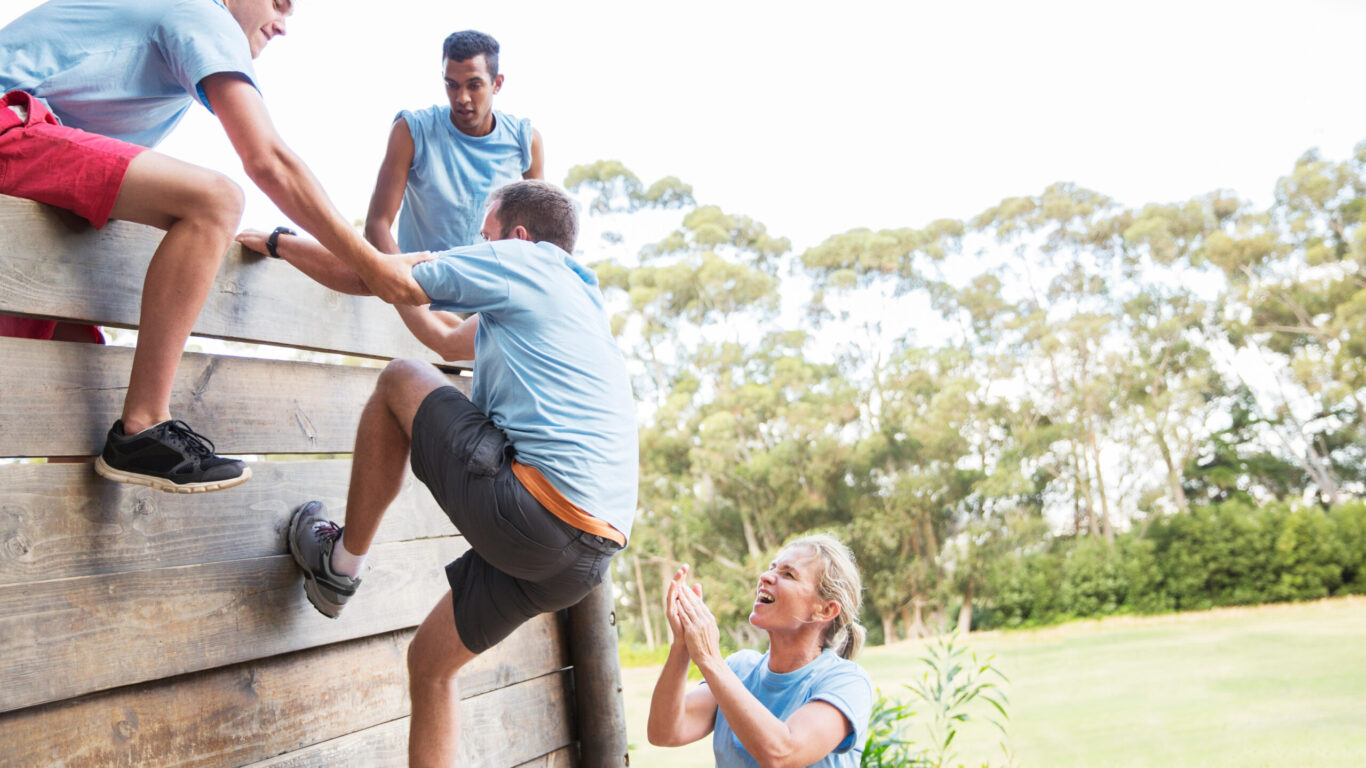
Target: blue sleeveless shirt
453	174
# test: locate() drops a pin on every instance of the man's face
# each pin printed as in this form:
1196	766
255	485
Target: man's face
471	89
260	20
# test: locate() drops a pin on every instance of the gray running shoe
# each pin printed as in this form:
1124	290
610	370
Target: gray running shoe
311	539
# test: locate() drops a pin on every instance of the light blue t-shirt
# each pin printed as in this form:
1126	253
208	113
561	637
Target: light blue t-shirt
124	69
829	678
453	174
547	370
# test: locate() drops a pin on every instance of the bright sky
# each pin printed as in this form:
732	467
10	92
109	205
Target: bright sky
818	118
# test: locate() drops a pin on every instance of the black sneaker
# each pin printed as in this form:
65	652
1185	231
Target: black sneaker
311	540
168	457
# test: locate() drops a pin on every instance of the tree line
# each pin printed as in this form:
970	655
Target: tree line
977	403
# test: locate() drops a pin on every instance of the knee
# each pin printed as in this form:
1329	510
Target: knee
219	204
428	669
399	372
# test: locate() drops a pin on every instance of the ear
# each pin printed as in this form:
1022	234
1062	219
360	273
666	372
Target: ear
519	233
498	83
826	611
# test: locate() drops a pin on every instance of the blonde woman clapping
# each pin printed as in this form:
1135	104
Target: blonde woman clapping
804	702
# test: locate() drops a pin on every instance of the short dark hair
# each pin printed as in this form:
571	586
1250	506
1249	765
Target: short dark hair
544	209
465	45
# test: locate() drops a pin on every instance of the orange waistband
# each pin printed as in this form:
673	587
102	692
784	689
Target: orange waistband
550	498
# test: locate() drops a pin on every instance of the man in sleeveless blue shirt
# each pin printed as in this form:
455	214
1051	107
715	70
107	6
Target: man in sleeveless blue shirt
537	468
88	86
444	161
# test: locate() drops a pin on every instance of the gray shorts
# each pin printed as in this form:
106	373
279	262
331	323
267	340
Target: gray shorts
523	561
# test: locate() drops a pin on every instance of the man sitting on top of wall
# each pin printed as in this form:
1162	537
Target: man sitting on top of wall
88	86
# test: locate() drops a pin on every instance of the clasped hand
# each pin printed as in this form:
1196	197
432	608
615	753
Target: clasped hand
691	621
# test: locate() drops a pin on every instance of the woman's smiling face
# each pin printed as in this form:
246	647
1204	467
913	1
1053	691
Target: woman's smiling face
788	594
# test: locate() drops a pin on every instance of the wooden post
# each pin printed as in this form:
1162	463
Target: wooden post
597	680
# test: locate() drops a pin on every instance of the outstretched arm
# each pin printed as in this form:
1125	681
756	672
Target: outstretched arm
311	258
678	716
809	734
285	179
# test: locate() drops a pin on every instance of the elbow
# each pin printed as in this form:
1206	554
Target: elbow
777	754
454	354
787	760
661	737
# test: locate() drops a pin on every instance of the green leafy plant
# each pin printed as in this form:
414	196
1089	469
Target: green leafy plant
954	681
887	745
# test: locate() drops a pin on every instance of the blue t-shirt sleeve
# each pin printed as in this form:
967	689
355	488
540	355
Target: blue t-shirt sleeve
467	279
848	689
198	39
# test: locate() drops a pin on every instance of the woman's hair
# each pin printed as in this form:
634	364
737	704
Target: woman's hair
840	581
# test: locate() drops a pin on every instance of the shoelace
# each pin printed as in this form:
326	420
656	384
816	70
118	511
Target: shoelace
195	443
328	529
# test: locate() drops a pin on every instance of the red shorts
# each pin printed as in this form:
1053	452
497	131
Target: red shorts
82	172
42	160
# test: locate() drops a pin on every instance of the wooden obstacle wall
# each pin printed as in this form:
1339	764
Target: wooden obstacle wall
143	628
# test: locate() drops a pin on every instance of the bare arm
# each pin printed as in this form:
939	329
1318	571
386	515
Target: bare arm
310	258
445	333
809	734
389	187
284	178
537	169
678	716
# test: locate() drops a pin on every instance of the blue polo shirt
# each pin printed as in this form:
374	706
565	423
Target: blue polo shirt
124	69
547	370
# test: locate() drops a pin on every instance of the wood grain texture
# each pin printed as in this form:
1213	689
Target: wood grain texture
62	520
55	265
597	680
344	704
60	399
66	637
565	757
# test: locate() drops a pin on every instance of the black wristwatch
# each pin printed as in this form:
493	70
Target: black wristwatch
275	238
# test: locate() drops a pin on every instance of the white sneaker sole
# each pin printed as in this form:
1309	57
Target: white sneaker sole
162	484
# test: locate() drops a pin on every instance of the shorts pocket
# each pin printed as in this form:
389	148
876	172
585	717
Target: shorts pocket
533	545
486	457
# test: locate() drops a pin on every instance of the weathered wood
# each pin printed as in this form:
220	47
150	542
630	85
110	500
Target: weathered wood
511	725
597	680
567	757
56	266
338	705
60	399
525	725
66	637
62	520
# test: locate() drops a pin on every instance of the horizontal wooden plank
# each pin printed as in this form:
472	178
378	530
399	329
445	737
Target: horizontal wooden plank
343	704
512	725
66	637
565	757
61	398
56	266
524	726
62	520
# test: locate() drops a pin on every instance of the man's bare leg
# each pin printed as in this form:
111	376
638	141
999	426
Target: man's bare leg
382	443
434	659
200	210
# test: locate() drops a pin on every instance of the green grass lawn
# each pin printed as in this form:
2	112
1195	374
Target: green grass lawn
1279	685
